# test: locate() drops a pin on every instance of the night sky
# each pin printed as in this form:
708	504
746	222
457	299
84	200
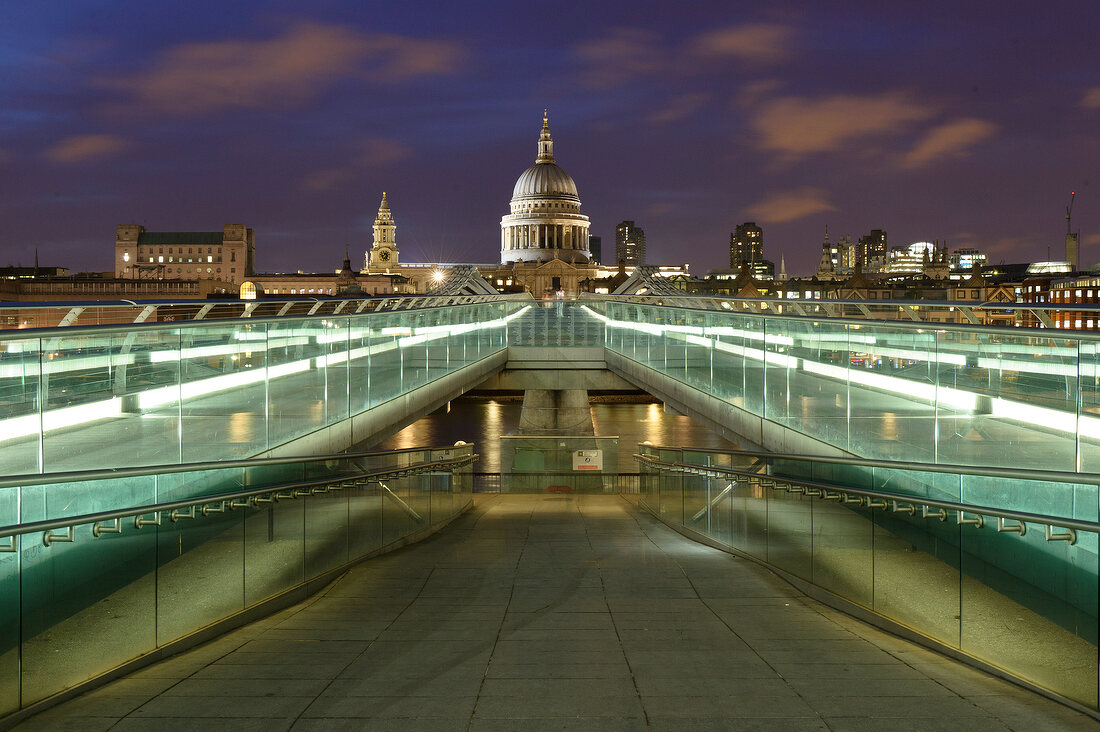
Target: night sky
968	122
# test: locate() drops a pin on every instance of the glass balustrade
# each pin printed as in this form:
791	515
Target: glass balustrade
179	392
895	391
1016	595
73	610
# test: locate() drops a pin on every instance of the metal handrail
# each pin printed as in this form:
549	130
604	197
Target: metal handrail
389	305
687	303
225	501
1053	476
30	479
900	502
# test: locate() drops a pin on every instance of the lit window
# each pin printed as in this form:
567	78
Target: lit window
160	259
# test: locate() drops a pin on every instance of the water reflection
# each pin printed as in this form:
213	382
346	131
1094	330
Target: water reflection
485	421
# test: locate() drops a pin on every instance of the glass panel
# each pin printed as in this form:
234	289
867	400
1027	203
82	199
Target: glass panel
1021	400
842	557
359	365
94	597
750	510
326	532
225	391
200	575
20	428
9	606
790	540
335	362
364	519
892	379
273	549
1029	605
295	385
1089	417
385	358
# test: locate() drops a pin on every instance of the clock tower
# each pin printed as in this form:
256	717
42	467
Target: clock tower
383	255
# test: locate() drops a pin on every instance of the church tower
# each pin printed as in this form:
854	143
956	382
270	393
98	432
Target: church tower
383	255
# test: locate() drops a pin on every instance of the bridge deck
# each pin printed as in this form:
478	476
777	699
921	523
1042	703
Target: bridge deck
565	612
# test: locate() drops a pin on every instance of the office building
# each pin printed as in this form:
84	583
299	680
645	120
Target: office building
629	244
746	244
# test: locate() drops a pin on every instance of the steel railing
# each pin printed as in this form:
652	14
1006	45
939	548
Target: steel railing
205	505
966	513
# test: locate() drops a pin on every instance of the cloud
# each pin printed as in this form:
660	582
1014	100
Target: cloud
201	78
1091	240
5	156
624	55
1091	98
377	151
757	43
326	179
631	53
790	206
372	152
678	108
799	126
948	139
85	148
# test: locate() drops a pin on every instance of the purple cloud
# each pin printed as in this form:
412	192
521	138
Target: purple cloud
201	78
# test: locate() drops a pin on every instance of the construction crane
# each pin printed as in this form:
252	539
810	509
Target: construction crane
1069	211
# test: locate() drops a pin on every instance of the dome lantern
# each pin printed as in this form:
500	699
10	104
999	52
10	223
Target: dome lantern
546	145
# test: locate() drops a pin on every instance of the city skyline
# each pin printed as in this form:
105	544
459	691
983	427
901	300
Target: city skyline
969	125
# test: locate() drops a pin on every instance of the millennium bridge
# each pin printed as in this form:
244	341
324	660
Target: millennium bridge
185	513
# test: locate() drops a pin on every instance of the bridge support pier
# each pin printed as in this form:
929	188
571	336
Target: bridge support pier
555	412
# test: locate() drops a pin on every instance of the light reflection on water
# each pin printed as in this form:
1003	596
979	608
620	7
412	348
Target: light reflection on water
483	422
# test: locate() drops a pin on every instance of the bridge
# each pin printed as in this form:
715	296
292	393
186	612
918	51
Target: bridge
185	466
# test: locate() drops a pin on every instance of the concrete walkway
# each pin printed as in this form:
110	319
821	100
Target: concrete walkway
559	612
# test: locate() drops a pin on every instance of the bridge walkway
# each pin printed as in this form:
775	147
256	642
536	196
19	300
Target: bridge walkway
559	612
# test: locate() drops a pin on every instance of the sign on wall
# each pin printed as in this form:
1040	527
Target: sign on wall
588	460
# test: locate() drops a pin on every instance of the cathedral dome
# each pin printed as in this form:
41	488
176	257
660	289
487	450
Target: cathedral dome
545	222
545	179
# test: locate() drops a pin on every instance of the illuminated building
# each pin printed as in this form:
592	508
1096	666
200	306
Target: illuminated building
746	244
629	244
226	256
384	255
545	222
871	250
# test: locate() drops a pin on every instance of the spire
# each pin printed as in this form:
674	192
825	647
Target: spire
384	216
546	145
782	267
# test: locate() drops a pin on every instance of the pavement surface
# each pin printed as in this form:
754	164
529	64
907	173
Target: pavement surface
552	612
